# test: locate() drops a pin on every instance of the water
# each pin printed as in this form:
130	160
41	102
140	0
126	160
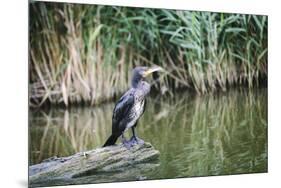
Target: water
217	134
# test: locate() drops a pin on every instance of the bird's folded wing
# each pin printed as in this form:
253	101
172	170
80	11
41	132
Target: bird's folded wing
123	106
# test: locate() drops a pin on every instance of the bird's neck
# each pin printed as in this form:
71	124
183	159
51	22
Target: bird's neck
136	82
142	86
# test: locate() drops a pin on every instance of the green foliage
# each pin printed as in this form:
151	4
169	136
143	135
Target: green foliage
85	53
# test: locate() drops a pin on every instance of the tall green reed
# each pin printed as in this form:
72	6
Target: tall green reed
85	53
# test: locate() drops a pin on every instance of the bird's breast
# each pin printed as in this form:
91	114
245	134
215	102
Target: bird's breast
136	112
138	108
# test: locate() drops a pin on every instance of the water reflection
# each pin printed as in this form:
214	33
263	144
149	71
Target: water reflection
196	136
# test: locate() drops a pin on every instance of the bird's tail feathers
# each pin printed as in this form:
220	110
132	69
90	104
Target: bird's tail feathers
111	140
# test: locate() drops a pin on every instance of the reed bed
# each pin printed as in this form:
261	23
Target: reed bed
85	53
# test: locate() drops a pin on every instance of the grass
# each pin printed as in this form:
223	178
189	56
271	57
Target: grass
85	53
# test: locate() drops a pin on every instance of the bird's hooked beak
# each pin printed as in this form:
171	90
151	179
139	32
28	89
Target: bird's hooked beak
151	70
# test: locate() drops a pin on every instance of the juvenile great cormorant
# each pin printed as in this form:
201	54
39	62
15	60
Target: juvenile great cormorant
130	107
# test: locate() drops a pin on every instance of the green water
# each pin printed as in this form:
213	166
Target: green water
217	134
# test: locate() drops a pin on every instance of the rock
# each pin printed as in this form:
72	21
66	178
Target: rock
113	163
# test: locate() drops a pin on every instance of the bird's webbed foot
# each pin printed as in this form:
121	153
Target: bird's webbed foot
135	140
127	144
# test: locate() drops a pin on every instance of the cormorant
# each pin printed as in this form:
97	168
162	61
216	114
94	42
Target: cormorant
130	107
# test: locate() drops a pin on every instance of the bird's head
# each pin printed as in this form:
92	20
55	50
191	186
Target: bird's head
140	73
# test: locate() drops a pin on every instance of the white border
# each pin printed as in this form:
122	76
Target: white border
237	6
13	94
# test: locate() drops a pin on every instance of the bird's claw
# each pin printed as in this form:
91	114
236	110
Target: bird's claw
136	140
132	142
128	144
